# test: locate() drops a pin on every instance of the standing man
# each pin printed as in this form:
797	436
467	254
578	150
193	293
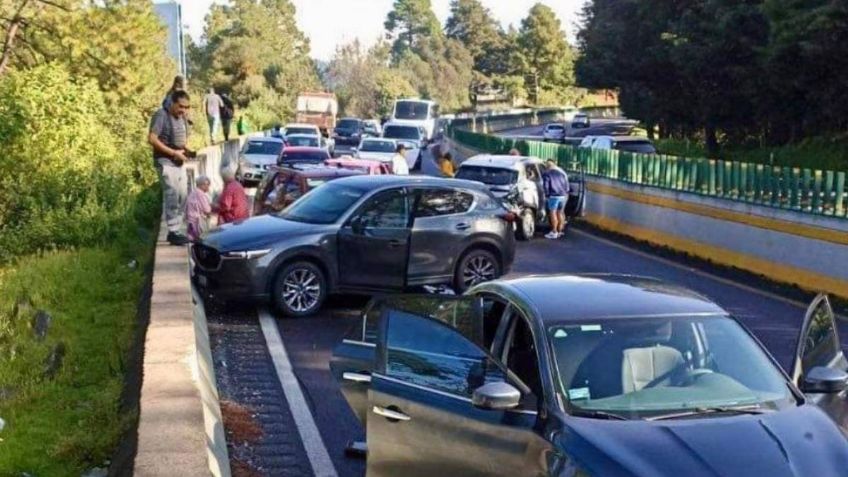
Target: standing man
228	110
555	182
399	165
212	104
168	136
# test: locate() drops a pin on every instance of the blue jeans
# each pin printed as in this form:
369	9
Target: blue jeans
557	203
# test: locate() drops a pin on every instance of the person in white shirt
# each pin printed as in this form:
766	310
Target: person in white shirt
399	165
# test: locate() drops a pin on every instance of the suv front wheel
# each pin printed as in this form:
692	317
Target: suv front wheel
526	225
300	289
476	266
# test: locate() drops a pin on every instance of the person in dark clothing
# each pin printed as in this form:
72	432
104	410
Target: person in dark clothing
555	182
228	111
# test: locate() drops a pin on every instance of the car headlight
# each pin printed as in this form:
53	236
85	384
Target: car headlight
248	254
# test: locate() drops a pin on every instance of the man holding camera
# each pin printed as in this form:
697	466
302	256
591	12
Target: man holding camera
169	137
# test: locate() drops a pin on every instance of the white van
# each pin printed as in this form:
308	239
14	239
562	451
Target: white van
416	112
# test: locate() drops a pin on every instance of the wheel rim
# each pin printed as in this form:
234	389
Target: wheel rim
529	226
477	270
301	289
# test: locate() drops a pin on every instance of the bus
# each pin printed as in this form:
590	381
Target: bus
416	112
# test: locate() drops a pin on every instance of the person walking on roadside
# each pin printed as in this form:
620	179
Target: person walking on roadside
198	209
168	136
212	105
446	165
232	205
555	182
179	84
399	165
228	110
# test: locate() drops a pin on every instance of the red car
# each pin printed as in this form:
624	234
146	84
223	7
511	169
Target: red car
283	185
373	168
291	156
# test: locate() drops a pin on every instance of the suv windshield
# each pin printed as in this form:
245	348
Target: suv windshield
348	124
488	175
296	130
302	141
322	205
377	146
650	367
402	132
411	110
270	148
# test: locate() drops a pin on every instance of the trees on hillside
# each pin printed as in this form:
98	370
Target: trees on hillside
545	57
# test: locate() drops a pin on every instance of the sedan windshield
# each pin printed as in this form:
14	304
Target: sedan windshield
377	146
656	367
402	132
298	130
322	205
303	141
270	148
411	110
348	124
488	175
317	157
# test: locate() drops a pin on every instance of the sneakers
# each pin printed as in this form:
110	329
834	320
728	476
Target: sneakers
178	239
552	235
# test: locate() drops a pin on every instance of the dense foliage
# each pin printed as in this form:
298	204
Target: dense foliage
729	73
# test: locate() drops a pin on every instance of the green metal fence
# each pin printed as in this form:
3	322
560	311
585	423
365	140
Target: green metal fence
805	190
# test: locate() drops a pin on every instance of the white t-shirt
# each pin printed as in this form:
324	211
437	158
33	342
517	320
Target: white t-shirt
399	165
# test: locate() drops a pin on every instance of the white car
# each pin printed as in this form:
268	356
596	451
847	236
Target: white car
569	113
553	132
257	155
309	130
376	149
580	121
636	144
412	137
372	127
303	140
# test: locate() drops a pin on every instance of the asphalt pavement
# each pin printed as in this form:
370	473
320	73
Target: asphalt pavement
245	369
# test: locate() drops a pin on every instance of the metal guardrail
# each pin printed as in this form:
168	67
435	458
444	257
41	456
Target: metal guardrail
819	192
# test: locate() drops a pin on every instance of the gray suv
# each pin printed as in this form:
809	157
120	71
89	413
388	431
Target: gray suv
367	234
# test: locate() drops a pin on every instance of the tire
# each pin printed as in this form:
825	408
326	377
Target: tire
306	286
526	225
476	266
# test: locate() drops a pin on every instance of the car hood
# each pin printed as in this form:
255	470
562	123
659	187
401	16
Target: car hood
801	441
375	156
254	233
261	159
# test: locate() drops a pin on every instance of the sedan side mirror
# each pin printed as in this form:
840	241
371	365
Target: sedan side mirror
497	395
824	380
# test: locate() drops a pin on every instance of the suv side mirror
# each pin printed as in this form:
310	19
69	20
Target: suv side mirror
497	395
824	380
357	225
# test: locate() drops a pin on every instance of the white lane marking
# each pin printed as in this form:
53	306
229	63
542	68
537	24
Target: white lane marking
711	276
319	458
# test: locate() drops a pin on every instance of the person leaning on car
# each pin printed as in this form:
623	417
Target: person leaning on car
555	181
169	136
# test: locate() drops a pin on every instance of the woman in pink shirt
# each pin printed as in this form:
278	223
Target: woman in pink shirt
198	209
232	204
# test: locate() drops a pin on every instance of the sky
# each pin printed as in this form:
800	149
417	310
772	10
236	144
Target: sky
330	23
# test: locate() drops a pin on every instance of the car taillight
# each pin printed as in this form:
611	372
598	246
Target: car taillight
509	216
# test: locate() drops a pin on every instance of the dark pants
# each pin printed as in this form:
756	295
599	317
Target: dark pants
225	124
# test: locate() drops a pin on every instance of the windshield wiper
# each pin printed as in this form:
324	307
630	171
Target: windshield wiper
597	414
752	409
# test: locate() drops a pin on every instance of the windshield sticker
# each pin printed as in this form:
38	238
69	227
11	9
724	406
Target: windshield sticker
576	394
590	327
560	333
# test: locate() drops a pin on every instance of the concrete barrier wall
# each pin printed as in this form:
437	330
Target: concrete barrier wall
210	161
801	249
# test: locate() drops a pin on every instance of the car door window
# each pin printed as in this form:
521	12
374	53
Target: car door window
521	358
385	210
436	202
463	313
433	355
819	344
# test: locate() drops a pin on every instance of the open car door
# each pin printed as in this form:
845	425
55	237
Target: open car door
440	404
353	359
577	195
821	369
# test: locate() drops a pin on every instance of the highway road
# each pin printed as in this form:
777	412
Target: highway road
305	421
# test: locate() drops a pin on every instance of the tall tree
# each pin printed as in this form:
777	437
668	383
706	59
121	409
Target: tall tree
546	57
473	25
411	23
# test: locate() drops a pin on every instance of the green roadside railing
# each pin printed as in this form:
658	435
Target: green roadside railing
809	191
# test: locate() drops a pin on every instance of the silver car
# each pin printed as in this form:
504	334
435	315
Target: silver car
257	155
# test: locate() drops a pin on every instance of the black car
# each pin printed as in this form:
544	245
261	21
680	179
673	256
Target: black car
362	234
612	376
349	131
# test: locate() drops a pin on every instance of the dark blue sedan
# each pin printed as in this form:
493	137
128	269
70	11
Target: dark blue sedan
589	376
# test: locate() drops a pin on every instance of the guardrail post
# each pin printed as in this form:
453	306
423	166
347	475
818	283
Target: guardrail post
817	189
838	203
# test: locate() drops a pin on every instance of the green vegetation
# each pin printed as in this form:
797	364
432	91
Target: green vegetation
724	73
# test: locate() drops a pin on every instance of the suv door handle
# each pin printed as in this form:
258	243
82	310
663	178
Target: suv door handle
356	377
463	226
390	414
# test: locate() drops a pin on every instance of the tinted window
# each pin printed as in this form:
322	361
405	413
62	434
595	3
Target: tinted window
411	110
488	175
459	312
323	205
643	147
377	146
435	202
302	141
385	210
402	132
555	127
270	148
348	124
428	353
297	130
305	156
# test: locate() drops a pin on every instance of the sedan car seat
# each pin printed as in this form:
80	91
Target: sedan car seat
650	365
